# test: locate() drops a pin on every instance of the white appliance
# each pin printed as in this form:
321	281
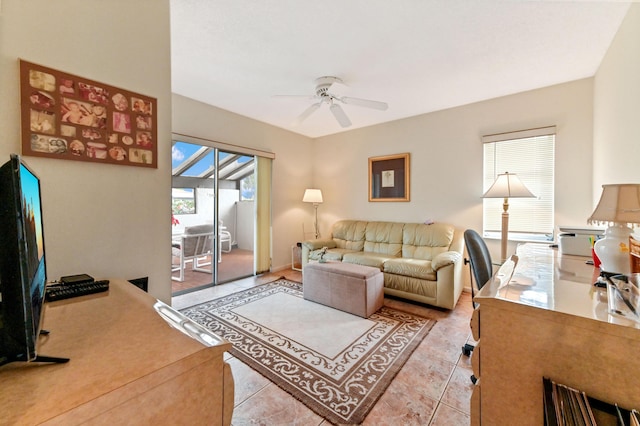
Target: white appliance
577	241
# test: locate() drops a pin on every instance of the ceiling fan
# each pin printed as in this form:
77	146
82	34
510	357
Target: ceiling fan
323	84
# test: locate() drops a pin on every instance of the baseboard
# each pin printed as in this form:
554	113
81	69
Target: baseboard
281	268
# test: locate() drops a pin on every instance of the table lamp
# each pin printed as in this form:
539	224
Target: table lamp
506	185
619	206
313	196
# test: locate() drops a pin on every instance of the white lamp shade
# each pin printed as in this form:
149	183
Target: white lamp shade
619	203
507	185
619	206
312	196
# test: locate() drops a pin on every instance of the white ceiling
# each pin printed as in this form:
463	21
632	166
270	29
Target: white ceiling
418	56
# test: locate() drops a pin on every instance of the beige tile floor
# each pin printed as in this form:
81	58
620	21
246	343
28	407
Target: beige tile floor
432	388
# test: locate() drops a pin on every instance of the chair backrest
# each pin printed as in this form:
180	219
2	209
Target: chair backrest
479	257
197	240
223	234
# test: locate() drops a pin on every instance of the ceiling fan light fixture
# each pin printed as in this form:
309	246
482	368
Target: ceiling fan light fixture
322	95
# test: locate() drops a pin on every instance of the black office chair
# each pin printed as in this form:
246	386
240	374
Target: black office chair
481	266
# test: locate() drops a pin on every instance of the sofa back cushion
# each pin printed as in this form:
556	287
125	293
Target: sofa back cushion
349	234
420	241
384	237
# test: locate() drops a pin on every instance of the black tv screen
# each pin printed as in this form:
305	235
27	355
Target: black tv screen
23	274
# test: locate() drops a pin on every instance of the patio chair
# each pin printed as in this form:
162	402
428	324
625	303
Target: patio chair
225	237
195	246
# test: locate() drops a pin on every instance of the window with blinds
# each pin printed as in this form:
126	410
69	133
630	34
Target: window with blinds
530	155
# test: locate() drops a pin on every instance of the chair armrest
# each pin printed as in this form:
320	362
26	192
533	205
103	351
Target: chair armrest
444	259
318	244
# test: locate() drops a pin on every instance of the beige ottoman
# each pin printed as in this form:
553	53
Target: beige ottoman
351	288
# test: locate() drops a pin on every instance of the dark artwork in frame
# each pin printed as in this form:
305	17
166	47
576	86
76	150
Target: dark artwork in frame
389	178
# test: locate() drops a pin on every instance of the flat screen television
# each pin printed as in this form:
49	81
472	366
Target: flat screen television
23	273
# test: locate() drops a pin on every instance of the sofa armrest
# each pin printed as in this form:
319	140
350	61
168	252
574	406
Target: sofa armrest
444	259
311	245
318	244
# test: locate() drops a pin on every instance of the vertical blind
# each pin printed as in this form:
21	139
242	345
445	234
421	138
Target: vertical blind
262	256
530	154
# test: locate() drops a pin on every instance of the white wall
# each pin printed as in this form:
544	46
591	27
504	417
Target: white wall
227	200
112	221
105	220
292	167
245	235
617	108
446	159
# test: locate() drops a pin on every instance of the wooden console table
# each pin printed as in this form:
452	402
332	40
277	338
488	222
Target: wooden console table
549	321
128	366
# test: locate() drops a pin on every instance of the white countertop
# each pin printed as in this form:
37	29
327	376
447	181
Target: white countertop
544	279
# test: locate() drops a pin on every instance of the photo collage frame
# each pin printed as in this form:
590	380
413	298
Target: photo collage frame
74	118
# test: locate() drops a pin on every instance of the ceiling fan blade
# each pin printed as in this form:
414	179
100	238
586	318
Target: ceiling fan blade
382	106
306	113
339	114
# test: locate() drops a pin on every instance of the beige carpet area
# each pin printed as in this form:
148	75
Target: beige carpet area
336	363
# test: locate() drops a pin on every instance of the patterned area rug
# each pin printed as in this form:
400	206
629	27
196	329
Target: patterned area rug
336	363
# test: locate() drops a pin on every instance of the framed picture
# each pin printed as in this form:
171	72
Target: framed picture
68	117
389	178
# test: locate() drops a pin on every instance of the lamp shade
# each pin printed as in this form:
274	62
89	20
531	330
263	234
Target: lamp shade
619	203
619	206
507	185
312	196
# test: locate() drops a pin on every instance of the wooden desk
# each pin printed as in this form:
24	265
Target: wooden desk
549	320
128	366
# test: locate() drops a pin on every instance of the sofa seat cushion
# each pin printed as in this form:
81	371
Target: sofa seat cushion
365	258
402	283
331	254
416	268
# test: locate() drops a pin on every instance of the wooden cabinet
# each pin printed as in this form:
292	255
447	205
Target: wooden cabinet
549	320
127	366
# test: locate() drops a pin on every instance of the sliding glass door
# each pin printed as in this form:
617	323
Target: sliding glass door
213	216
236	215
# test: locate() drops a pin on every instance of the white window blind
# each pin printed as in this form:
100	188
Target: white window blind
530	154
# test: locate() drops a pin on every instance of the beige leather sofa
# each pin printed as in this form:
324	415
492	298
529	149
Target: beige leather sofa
419	262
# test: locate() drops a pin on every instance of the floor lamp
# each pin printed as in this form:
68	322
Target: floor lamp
506	186
313	196
618	207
